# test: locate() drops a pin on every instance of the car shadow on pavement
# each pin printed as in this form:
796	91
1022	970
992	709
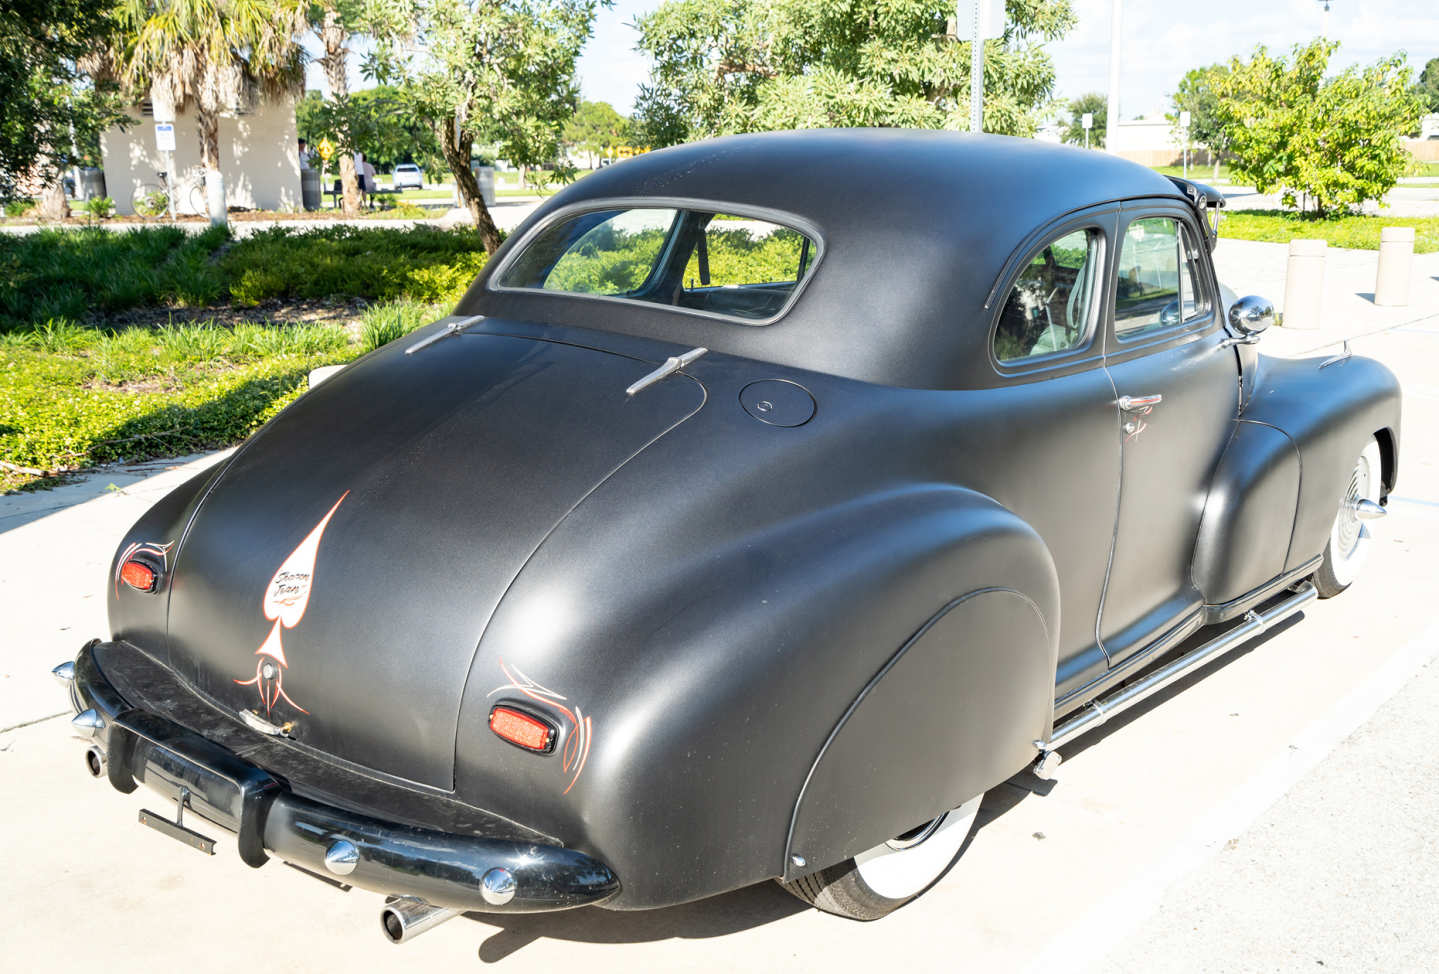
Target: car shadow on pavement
716	916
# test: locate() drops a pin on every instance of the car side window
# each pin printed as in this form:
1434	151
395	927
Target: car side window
1159	281
1193	292
1047	310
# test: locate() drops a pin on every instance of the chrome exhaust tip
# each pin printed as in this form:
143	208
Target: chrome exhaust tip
95	762
406	917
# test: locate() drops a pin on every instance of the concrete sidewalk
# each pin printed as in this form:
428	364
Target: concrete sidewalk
1249	267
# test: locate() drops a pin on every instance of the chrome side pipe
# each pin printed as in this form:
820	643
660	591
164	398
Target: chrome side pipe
1099	711
406	917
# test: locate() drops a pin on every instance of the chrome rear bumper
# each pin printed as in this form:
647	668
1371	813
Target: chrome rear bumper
462	872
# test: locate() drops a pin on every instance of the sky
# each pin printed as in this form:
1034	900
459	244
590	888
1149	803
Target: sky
1157	46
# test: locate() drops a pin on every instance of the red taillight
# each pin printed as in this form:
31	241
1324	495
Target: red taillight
138	575
522	729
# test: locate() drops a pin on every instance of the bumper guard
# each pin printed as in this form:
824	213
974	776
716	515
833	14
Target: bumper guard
461	872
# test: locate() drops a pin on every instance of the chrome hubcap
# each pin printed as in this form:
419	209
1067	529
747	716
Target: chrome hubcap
914	837
1348	528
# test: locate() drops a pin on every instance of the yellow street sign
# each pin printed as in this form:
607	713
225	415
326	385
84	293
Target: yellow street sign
326	149
626	151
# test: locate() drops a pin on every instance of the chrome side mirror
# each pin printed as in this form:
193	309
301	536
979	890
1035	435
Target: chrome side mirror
1250	316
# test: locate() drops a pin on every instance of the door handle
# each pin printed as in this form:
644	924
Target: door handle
1136	404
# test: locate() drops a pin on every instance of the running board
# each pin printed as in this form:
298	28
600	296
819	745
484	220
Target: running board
1098	711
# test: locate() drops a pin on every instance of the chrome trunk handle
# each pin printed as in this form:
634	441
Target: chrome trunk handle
1135	404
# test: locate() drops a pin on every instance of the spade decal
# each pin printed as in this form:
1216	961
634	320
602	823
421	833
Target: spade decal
286	598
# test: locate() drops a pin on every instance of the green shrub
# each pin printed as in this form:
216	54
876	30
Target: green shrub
378	264
99	208
81	274
75	397
17	208
383	323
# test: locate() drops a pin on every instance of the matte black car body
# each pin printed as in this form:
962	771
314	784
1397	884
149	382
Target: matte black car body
758	642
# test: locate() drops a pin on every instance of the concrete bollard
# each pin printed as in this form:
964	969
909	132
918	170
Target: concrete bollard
1304	283
1396	261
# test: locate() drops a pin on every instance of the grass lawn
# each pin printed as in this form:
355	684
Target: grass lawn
1357	232
1200	174
152	343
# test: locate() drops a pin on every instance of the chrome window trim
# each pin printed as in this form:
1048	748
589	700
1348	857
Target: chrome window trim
1178	334
778	217
1083	355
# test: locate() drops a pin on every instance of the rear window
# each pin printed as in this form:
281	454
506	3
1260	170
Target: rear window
713	262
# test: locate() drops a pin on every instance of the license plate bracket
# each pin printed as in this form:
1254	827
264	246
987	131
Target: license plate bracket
176	829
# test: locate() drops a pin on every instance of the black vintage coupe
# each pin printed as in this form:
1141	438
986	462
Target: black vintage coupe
762	504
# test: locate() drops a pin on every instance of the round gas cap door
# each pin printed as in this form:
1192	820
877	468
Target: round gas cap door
778	402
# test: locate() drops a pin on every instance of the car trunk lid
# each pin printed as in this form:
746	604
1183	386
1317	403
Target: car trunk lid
338	577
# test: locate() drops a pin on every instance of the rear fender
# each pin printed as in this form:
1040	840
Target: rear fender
717	676
953	713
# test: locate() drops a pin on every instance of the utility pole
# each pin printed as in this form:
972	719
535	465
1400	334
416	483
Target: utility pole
1111	117
986	19
976	73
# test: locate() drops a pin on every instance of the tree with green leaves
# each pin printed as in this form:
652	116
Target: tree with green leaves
1426	89
213	56
380	125
753	65
1094	103
53	108
595	127
1335	142
1198	95
484	71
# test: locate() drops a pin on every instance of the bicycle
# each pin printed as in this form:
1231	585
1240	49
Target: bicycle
151	201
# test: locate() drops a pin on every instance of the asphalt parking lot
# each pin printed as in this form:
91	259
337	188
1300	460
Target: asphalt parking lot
1274	811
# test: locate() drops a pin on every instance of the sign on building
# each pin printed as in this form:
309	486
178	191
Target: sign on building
165	136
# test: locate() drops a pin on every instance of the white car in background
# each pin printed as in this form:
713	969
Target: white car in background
408	176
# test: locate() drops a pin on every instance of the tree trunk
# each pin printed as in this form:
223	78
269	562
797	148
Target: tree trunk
334	35
53	205
207	124
457	157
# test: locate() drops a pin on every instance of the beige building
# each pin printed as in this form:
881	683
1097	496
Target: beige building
258	158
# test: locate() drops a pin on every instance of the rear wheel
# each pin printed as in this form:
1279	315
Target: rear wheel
1349	538
879	881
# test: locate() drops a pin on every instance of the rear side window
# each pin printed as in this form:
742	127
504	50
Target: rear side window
1048	309
1159	283
737	266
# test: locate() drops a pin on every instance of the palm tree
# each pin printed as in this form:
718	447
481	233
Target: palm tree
335	36
214	55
